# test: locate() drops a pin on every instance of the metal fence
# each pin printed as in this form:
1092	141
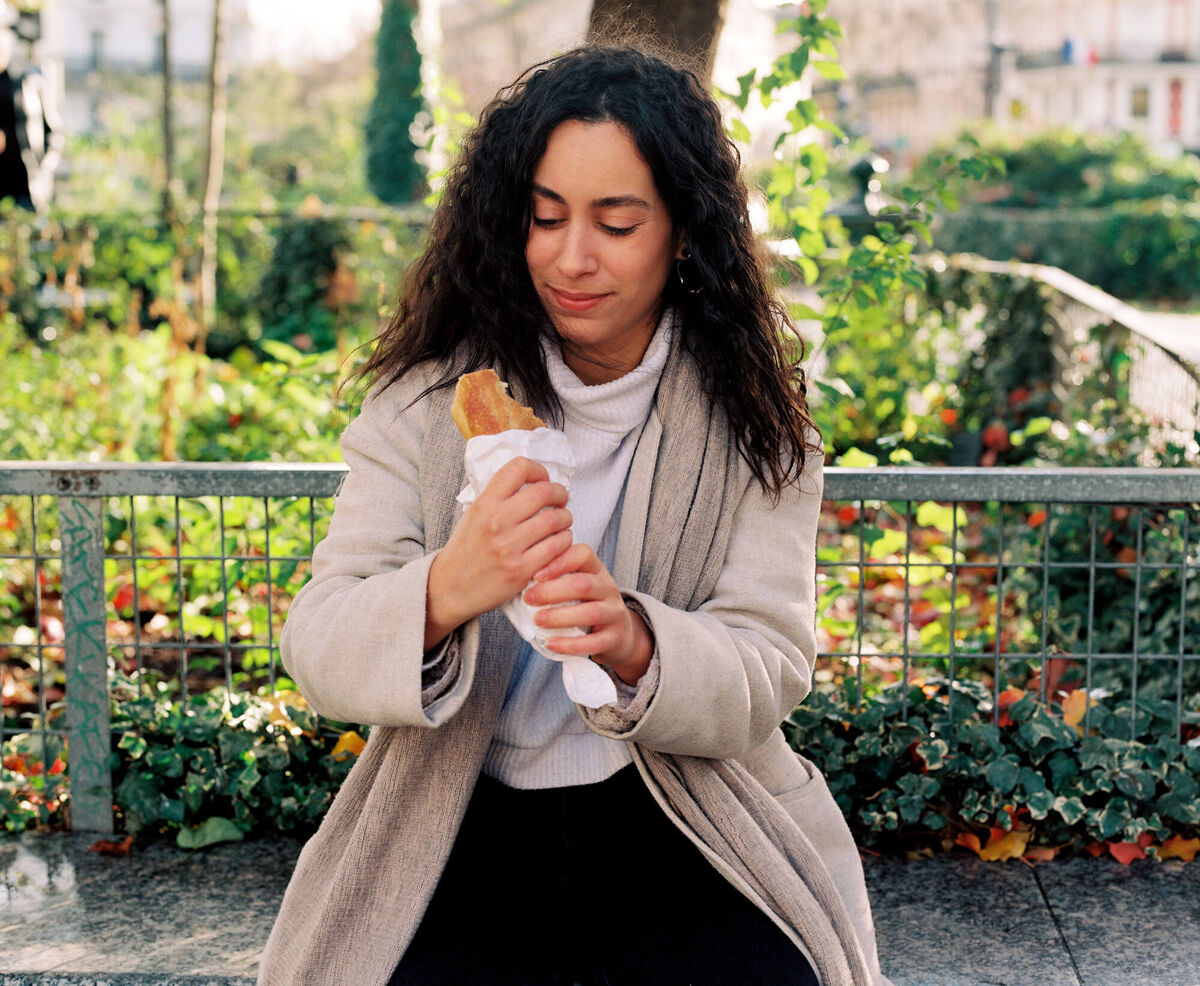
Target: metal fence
118	579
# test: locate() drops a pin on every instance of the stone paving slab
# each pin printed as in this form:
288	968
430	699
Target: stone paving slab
957	921
1135	926
158	912
163	917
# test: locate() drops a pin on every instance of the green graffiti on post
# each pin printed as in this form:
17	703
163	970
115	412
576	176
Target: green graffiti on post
80	523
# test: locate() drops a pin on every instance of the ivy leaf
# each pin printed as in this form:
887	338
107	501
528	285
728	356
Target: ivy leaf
209	832
1177	847
1040	804
1075	705
1071	810
968	840
1002	773
1004	845
1126	852
856	458
349	744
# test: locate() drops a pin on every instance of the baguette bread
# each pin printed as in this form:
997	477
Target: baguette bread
482	407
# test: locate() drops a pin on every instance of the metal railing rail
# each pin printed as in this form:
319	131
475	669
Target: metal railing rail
1164	380
882	536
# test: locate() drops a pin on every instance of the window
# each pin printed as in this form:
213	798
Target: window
1139	102
97	53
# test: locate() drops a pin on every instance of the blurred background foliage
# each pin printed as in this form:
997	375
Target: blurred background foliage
1105	208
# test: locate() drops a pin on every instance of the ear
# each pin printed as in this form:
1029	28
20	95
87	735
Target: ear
681	251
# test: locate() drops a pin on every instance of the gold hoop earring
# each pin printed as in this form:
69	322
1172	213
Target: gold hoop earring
683	283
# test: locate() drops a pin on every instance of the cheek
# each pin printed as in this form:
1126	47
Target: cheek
536	254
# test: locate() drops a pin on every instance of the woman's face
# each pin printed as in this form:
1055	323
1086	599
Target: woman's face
600	247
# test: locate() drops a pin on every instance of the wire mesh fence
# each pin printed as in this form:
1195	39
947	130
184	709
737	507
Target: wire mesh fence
119	581
1082	585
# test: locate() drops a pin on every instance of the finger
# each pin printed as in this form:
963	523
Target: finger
572	587
533	497
544	524
581	558
594	615
514	474
596	642
541	551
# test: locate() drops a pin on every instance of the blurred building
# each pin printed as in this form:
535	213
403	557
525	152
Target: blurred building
83	39
920	69
487	43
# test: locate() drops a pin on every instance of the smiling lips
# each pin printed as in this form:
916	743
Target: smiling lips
576	301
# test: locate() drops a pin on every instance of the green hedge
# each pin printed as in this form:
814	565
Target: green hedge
1139	251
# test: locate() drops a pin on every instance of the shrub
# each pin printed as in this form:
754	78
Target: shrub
218	767
931	766
293	299
392	169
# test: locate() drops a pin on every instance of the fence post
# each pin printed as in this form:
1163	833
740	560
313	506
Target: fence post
88	726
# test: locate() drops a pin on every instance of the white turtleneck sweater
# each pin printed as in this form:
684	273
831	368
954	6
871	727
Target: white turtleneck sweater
540	740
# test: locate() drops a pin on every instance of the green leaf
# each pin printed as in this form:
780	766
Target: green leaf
210	832
1002	773
1031	781
1071	810
133	744
281	352
745	86
808	269
830	70
1040	804
922	230
948	199
834	389
738	131
881	543
857	459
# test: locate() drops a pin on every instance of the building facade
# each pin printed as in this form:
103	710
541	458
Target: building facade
486	44
921	69
83	38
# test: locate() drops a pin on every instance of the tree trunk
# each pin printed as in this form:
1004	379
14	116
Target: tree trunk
214	171
168	112
692	27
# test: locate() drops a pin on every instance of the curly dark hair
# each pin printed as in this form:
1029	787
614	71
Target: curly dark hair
469	302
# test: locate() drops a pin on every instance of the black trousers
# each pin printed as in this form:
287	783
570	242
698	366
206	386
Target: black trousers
589	886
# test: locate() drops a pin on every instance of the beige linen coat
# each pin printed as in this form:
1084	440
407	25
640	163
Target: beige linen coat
726	580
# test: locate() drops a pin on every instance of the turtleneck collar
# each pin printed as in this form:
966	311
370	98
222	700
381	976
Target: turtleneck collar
618	405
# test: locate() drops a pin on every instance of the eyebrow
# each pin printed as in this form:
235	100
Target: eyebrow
608	202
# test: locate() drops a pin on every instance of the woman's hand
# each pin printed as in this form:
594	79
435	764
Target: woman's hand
617	636
518	524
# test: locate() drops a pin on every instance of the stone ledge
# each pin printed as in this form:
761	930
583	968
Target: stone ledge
164	917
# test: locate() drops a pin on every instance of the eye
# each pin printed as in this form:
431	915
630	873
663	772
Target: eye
617	230
545	223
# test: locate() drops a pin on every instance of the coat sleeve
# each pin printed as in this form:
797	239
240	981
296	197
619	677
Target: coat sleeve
354	636
731	671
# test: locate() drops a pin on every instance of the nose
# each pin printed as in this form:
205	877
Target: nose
577	255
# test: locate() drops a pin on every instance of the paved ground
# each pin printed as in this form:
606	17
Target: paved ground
161	917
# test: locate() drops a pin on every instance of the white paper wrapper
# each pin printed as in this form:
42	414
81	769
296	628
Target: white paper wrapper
586	682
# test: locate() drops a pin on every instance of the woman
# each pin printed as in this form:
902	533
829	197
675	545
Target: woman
593	245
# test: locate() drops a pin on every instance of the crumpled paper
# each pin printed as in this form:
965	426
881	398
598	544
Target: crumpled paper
586	682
